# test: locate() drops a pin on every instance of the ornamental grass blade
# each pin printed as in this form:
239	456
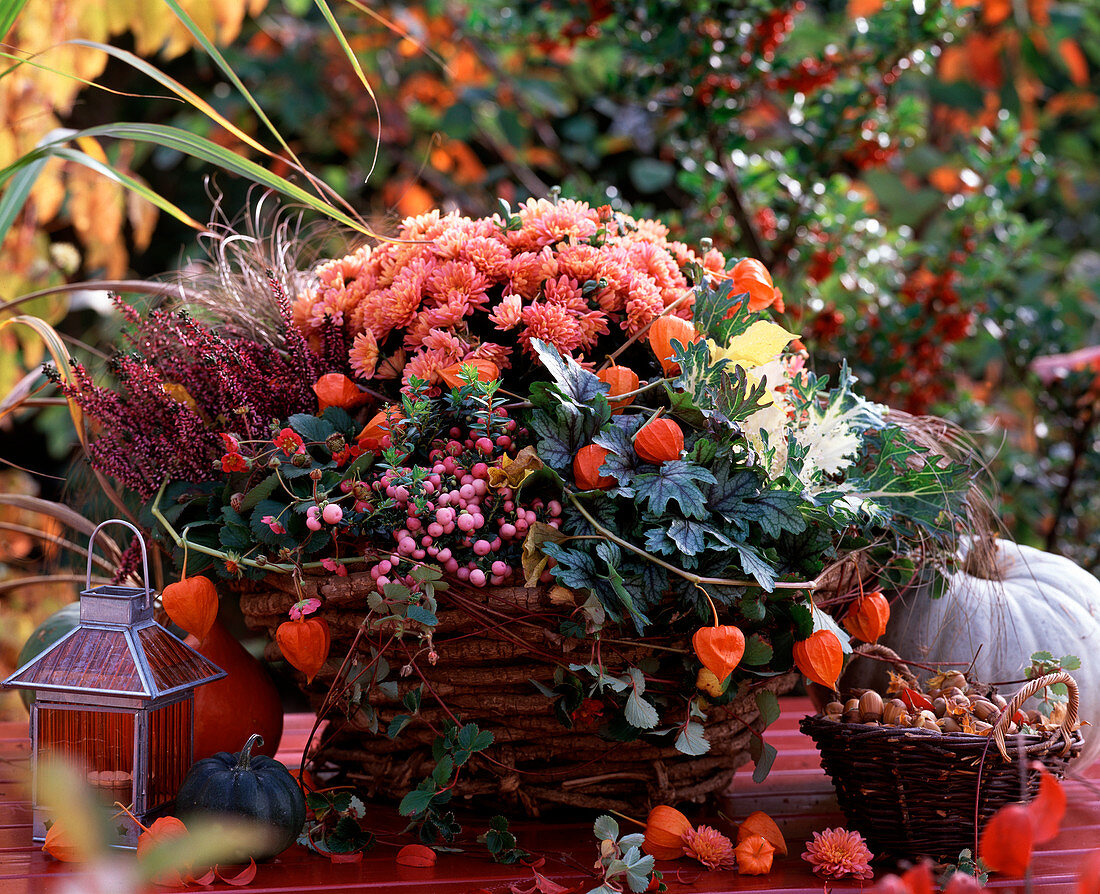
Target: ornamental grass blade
9	12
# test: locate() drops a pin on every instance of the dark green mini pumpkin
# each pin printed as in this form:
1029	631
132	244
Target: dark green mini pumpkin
252	788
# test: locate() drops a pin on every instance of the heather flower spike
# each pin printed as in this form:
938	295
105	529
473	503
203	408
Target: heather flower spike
304	607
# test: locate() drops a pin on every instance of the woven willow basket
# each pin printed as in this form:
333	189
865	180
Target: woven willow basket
492	644
919	793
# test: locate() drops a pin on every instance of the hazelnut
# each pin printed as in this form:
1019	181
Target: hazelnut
939	706
999	700
981	727
949	725
926	720
834	708
870	706
893	711
983	709
851	711
956	680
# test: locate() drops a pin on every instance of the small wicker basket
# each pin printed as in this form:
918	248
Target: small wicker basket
919	793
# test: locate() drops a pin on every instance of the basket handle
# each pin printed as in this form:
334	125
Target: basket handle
144	556
1033	686
877	650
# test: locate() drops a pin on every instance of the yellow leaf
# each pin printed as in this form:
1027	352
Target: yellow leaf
758	344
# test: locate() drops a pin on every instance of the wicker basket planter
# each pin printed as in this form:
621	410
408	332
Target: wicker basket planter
919	793
484	674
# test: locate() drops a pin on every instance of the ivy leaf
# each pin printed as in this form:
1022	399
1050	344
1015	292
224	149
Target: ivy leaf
689	537
575	382
565	430
776	511
676	481
692	739
756	565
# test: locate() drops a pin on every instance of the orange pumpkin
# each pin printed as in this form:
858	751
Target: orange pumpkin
337	390
749	275
754	855
664	833
305	644
192	603
759	823
719	648
486	371
659	440
867	618
820	658
586	468
661	334
619	380
243	702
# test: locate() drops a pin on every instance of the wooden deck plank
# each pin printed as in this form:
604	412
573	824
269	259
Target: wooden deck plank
797	794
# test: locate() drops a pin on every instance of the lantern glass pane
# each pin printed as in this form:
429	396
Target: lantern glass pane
98	743
169	750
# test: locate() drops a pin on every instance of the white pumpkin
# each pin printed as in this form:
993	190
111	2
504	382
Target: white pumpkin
1040	602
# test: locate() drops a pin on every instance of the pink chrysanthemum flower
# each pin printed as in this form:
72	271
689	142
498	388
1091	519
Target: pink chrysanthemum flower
644	304
564	292
710	847
529	270
836	853
490	256
553	324
497	354
506	314
580	261
363	355
545	223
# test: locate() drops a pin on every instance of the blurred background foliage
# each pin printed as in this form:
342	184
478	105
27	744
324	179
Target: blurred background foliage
919	176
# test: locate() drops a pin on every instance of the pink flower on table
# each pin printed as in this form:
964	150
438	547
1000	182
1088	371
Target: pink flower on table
274	524
710	847
305	607
289	441
836	853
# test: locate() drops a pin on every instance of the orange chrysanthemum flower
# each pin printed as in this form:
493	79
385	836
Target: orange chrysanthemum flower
710	847
836	853
363	355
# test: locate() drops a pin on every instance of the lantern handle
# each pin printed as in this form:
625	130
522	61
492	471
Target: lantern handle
144	556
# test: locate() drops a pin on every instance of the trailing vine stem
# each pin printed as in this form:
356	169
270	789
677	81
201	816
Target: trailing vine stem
696	579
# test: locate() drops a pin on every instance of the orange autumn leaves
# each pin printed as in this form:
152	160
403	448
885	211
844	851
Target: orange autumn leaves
669	835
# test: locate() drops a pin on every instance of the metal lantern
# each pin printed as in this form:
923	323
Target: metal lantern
115	698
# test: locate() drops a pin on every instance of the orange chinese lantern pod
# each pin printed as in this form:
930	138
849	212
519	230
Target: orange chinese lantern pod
305	644
659	440
619	380
381	424
60	845
664	833
192	603
866	620
1088	879
661	335
416	855
337	390
586	468
754	855
759	823
719	648
1048	808
749	275
486	371
1007	840
820	658
161	830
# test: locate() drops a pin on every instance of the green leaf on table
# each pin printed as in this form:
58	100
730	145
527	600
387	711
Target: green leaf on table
605	828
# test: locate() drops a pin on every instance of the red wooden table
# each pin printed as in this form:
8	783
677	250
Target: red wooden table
797	794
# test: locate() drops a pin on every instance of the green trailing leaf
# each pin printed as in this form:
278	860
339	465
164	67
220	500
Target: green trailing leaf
692	739
678	482
763	755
